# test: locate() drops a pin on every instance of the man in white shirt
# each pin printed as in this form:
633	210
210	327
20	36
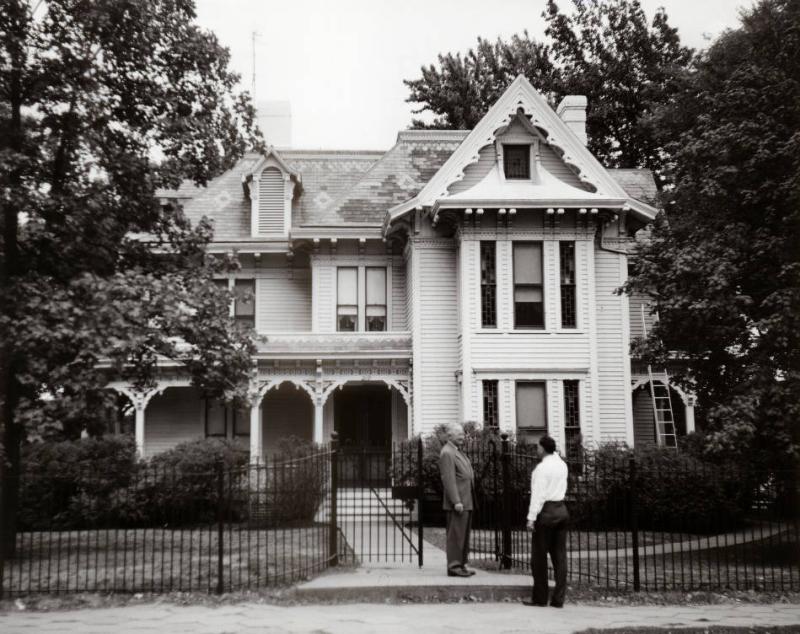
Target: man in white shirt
547	518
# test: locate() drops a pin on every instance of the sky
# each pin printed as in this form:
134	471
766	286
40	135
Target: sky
341	63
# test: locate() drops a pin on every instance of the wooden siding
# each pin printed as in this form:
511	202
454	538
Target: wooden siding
283	301
637	302
437	353
398	294
476	171
286	411
558	168
612	345
173	417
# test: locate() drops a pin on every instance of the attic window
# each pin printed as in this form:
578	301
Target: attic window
517	161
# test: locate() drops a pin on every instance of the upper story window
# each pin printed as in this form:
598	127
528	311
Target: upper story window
376	299
566	257
347	299
357	309
528	285
488	284
517	161
244	302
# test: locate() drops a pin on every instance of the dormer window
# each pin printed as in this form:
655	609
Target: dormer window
271	185
517	161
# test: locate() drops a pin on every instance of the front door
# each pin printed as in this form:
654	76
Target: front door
363	419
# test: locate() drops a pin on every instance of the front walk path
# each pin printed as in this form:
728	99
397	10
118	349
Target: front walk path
497	618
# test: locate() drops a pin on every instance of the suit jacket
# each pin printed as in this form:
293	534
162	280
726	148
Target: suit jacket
457	478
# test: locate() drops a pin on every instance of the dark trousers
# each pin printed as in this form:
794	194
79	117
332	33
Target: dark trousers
550	540
458	527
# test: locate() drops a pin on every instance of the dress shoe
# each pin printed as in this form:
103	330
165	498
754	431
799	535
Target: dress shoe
533	604
459	572
471	571
556	605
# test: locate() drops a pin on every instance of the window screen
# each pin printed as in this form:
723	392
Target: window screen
376	299
528	285
517	161
347	299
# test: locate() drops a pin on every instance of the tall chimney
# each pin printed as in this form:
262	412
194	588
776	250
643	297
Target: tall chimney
275	120
572	111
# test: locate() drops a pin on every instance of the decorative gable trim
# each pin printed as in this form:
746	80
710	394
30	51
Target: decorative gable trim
521	96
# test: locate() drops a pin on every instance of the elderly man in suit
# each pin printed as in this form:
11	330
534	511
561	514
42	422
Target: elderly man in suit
458	501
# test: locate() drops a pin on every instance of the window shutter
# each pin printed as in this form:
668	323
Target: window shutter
270	202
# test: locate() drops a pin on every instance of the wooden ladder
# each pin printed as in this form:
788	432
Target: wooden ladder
662	403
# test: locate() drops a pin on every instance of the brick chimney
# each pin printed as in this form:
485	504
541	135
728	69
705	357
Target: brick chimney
572	111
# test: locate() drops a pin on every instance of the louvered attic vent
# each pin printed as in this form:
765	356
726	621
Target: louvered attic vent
270	202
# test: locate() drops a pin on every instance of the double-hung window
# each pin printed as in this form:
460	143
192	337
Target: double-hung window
528	285
376	299
361	299
347	299
517	161
244	306
490	409
572	420
531	397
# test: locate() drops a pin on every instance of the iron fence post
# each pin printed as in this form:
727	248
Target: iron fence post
634	518
420	497
220	525
334	527
505	460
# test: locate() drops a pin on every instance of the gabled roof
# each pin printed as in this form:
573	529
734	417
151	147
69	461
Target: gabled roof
522	96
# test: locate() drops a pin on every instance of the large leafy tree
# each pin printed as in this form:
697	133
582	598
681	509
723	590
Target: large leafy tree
608	51
724	265
103	102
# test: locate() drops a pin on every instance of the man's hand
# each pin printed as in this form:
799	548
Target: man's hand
459	508
531	525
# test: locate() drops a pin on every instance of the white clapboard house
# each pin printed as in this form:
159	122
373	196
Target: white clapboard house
459	276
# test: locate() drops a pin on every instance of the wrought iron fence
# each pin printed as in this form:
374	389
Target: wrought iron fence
647	522
175	529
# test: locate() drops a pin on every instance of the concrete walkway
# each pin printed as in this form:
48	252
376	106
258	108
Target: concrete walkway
496	618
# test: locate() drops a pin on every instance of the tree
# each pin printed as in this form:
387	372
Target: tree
604	50
102	102
724	265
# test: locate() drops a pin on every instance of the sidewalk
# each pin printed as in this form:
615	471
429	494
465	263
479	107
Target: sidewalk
496	618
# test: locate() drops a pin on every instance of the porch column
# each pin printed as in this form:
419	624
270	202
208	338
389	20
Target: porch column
319	407
689	414
139	407
256	432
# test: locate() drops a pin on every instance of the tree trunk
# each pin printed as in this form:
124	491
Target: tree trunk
10	430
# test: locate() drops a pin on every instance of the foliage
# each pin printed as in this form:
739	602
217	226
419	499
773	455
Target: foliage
102	104
605	50
63	484
674	491
724	270
296	483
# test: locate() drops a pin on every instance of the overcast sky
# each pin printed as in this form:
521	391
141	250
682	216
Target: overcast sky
341	62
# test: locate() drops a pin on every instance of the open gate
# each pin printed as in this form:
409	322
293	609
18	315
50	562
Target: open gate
378	496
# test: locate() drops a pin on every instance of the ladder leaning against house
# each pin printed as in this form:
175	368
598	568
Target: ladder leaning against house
662	403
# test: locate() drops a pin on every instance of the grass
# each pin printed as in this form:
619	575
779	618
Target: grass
165	560
714	629
600	559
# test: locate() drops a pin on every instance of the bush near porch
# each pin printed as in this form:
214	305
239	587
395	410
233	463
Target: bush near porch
99	483
674	490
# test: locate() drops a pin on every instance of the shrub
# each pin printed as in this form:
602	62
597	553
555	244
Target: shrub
291	488
70	484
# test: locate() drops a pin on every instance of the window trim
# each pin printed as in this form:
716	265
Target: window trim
514	285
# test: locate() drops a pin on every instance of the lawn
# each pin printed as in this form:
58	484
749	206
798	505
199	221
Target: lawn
164	560
668	561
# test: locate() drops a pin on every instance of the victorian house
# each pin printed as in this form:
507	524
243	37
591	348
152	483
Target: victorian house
459	276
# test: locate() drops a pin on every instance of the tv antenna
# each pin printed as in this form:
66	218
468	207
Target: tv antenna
253	36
